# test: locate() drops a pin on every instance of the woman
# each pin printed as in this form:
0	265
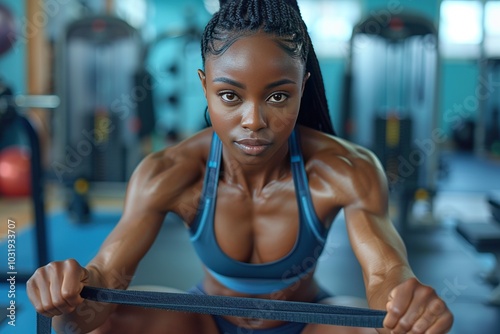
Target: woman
258	190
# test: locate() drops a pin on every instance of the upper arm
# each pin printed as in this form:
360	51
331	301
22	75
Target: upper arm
374	239
151	192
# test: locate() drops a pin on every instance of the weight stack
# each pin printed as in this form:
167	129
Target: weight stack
108	158
393	146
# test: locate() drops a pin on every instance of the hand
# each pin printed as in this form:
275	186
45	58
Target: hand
416	308
55	288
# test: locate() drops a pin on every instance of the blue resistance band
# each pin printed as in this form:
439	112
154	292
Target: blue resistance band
256	308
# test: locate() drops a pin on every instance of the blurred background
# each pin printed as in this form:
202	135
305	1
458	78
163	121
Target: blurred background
89	87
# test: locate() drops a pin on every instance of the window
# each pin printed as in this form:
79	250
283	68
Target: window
211	5
460	28
464	25
492	28
132	11
330	24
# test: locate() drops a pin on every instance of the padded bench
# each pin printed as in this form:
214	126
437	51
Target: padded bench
485	237
494	203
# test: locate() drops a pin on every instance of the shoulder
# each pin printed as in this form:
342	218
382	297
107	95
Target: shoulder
163	176
188	153
353	171
345	157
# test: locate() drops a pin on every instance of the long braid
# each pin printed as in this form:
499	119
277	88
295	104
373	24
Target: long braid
280	18
314	92
315	98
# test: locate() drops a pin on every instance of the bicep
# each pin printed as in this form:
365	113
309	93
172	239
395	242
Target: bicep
374	239
133	235
153	191
125	246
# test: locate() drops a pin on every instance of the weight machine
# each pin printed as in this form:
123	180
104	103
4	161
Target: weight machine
390	106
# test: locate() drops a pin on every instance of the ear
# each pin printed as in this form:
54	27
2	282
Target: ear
306	77
203	80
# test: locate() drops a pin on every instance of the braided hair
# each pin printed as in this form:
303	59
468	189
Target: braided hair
282	19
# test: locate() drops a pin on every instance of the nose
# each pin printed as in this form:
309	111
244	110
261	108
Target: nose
254	118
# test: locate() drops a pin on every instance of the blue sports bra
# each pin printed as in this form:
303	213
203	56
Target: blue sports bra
258	278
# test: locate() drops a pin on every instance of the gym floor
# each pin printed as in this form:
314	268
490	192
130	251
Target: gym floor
439	256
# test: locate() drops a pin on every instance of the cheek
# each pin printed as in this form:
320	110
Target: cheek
282	121
220	115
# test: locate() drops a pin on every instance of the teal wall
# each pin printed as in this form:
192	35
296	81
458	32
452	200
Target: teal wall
459	102
333	70
12	63
430	8
172	14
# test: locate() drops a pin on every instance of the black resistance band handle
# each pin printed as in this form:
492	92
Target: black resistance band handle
256	308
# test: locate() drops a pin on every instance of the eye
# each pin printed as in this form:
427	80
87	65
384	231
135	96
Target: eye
277	97
228	97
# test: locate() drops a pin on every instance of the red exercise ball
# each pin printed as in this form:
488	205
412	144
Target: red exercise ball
7	29
15	172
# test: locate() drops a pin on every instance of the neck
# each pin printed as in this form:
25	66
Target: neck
253	178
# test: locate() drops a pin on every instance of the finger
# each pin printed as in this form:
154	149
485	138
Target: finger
58	301
34	296
442	325
72	285
436	317
47	306
397	305
422	296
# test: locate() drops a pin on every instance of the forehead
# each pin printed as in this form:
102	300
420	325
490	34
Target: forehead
257	54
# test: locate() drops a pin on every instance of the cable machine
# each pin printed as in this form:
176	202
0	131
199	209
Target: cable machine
101	117
491	117
390	106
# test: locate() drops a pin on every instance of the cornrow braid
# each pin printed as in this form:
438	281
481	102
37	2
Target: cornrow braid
282	19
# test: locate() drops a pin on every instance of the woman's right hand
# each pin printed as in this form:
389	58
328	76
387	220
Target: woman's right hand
55	288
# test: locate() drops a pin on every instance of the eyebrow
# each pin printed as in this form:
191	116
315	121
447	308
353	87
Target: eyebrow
280	82
242	86
229	81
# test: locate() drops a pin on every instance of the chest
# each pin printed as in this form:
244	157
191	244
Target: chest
263	227
260	228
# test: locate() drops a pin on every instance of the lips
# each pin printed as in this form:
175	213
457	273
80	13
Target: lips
252	146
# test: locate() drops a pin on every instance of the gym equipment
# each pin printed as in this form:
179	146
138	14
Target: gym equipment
9	115
8	33
390	105
173	59
78	206
98	126
37	101
145	105
491	117
7	109
464	135
15	172
106	106
485	238
494	203
233	306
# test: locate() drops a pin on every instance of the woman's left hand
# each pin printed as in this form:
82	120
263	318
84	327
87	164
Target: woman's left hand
416	308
